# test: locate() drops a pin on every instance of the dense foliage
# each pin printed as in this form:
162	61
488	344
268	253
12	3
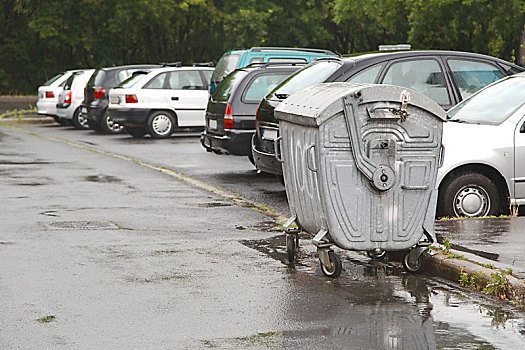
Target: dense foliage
39	38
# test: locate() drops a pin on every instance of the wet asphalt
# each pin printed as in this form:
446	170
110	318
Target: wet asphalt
102	252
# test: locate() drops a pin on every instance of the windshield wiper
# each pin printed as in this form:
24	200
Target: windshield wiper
281	96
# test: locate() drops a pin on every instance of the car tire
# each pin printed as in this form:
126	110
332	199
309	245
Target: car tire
135	132
94	125
468	195
109	126
161	124
79	120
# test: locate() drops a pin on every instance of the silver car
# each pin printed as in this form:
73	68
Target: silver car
483	170
48	94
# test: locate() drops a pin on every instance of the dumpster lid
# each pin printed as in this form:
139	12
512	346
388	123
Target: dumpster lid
317	103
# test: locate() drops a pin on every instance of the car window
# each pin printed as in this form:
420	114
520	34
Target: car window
287	59
207	75
223	90
491	105
158	82
261	86
309	75
422	75
132	80
125	74
52	80
368	75
69	81
225	66
185	80
470	76
97	78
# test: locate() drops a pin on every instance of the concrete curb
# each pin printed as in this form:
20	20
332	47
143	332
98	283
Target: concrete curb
26	120
441	265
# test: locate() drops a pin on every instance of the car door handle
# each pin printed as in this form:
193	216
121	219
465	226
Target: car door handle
174	98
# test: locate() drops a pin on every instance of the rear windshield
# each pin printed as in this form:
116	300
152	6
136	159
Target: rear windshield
223	91
315	73
262	85
225	66
52	80
207	75
97	78
491	105
132	80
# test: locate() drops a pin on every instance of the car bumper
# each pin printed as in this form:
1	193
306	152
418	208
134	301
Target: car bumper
47	107
236	142
265	161
133	117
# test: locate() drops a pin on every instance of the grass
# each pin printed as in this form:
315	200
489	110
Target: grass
47	319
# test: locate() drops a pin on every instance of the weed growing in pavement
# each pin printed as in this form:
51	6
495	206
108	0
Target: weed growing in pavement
18	113
472	280
488	266
456	256
47	319
509	271
514	209
447	245
499	286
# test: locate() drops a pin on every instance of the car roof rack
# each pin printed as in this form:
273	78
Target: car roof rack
172	64
202	64
273	48
274	63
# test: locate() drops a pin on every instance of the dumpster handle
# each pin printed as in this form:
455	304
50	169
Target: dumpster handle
381	176
277	149
310	159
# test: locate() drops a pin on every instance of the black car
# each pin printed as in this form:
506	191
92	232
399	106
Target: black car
445	76
230	114
95	104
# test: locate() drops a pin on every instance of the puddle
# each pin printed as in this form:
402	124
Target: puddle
102	178
214	205
33	184
80	225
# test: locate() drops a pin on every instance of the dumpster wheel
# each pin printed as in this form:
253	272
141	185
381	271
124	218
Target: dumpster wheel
292	242
413	265
334	268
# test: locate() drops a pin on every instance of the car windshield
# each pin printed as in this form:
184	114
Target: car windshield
52	80
223	90
310	75
132	80
493	104
225	66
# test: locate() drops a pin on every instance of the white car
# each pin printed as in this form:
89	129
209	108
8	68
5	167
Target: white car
70	98
161	100
483	171
48	94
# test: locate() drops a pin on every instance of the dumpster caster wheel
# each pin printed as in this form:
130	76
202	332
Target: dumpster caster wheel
291	245
376	254
334	268
413	266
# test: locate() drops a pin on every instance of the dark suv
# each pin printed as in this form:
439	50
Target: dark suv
95	104
445	76
230	114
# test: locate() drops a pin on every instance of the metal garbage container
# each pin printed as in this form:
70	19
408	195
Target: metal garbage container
360	163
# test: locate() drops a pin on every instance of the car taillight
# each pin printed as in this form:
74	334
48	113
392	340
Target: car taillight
67	99
50	94
99	93
228	116
132	99
256	115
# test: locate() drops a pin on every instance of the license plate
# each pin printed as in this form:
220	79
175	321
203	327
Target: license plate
114	99
212	124
269	134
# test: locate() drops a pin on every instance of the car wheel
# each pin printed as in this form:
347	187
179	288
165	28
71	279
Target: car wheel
161	124
111	127
79	120
94	125
468	195
135	132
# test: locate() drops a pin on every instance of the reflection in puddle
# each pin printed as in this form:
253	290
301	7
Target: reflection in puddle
375	305
102	178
